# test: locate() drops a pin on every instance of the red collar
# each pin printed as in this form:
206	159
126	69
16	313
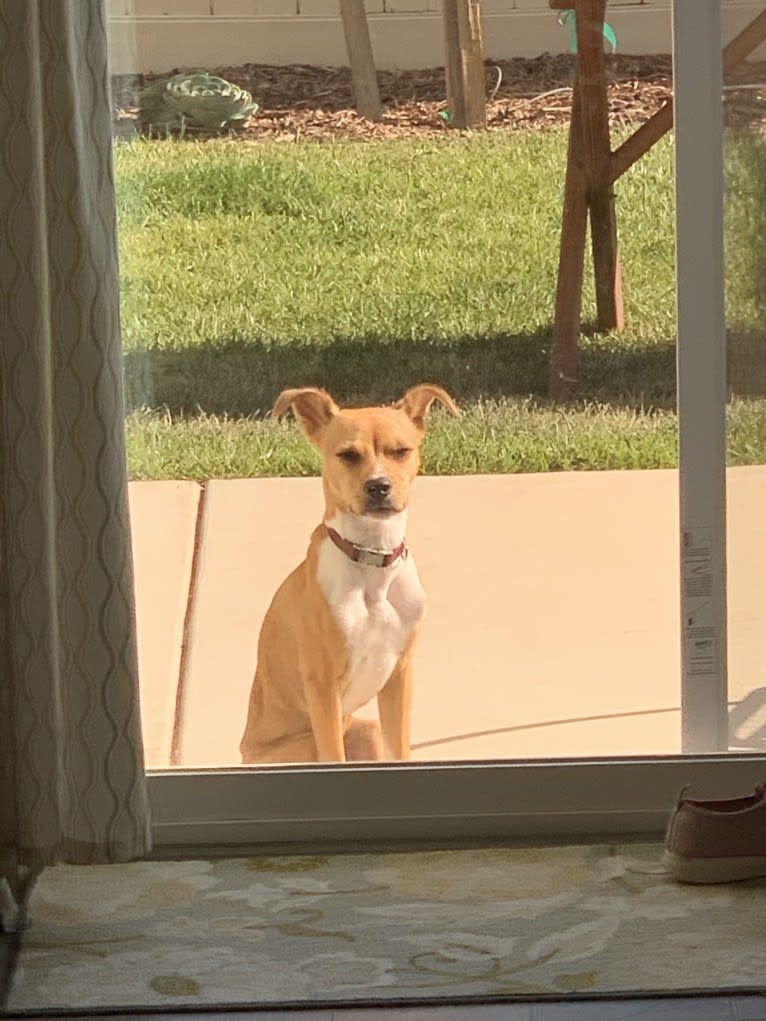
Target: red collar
364	555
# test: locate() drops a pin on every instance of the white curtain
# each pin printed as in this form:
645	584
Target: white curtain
72	783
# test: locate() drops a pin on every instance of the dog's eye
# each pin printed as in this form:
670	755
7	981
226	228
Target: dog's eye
400	453
350	456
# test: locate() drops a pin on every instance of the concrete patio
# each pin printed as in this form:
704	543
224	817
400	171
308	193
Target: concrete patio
552	628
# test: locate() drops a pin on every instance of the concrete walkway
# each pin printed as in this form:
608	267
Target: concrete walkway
552	627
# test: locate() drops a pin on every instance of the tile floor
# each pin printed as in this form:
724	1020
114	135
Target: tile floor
718	1008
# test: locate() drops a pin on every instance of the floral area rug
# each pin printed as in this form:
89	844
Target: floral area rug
377	927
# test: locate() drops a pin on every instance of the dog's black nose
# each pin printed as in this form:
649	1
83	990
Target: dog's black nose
378	489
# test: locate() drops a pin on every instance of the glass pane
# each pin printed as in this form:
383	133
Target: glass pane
745	160
313	247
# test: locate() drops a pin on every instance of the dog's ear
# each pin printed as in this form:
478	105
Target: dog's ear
312	407
418	400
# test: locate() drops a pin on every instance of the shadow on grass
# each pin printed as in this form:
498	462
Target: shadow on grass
241	378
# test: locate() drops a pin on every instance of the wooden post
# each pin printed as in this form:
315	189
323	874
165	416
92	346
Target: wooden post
587	191
364	80
592	169
564	368
591	73
464	64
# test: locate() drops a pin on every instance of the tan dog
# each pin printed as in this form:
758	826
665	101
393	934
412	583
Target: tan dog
340	629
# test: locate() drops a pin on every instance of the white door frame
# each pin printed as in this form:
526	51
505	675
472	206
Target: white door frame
392	805
701	381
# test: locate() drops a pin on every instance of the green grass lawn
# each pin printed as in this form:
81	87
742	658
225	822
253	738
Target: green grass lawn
511	435
368	267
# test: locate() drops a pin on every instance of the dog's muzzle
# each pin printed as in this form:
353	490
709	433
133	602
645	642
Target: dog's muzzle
377	492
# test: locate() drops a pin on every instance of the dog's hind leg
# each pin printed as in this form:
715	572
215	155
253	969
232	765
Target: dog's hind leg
363	741
288	750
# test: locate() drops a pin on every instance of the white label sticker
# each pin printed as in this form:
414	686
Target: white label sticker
700	638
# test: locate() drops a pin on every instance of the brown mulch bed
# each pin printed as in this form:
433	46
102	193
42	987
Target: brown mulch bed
308	102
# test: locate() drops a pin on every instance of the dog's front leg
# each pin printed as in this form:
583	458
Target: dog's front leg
394	702
326	715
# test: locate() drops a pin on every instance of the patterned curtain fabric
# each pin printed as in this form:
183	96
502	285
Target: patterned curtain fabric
72	783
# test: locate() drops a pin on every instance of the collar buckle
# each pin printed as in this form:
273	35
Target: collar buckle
371	557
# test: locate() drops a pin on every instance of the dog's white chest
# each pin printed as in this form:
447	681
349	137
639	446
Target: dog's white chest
377	609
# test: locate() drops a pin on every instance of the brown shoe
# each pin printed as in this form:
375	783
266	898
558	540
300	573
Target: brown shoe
717	841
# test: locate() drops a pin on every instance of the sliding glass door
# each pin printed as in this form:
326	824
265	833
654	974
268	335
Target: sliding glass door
571	675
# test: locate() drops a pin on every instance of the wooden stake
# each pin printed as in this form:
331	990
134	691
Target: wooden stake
364	80
591	172
564	367
464	64
591	73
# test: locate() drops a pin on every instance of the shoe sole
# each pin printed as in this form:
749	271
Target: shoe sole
713	870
